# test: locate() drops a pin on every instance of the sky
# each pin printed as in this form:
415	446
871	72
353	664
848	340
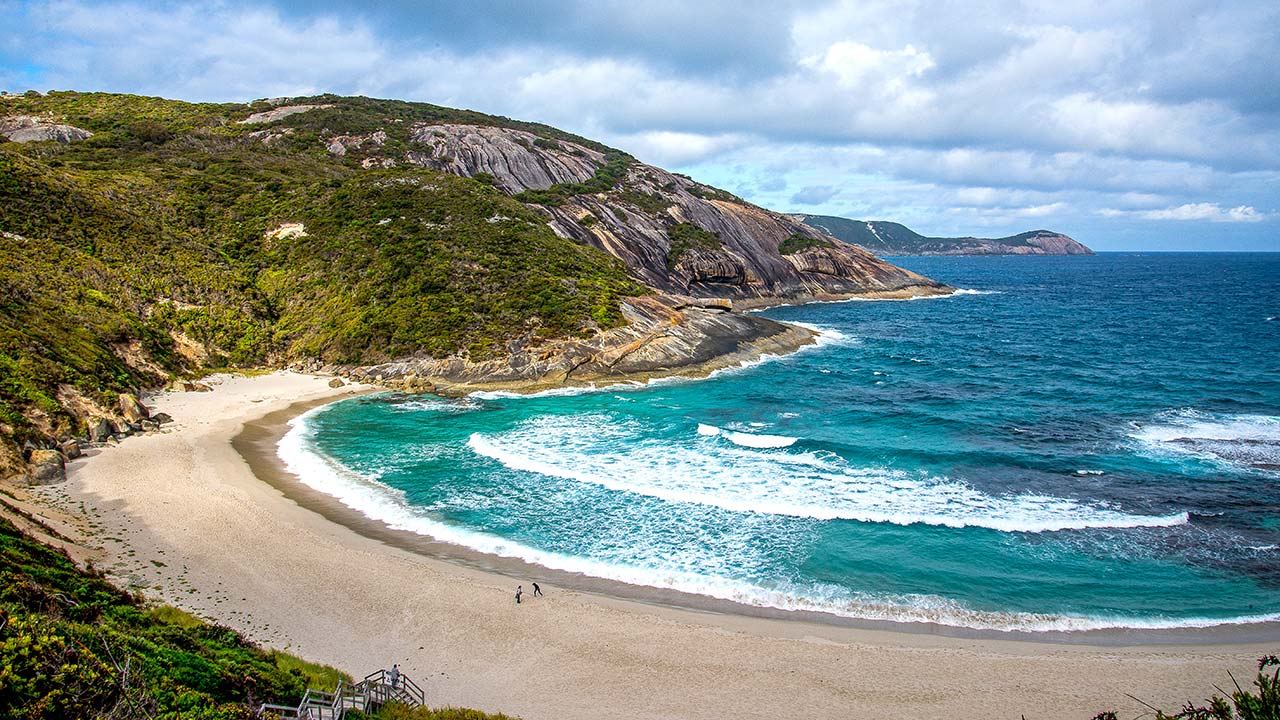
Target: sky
1127	125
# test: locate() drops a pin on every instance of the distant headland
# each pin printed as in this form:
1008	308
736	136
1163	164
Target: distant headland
889	238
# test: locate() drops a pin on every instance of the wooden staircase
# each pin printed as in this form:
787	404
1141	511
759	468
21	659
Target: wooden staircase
371	693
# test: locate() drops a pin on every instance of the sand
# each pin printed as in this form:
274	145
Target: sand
182	515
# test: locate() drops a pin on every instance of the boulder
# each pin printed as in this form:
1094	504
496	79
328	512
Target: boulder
161	418
336	383
100	430
150	425
132	410
70	449
47	466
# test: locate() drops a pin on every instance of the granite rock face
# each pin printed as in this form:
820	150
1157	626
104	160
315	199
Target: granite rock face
633	221
278	113
517	160
47	466
28	128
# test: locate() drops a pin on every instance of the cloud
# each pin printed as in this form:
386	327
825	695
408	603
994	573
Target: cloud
814	195
1203	211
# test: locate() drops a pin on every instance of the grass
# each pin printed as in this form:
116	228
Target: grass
314	675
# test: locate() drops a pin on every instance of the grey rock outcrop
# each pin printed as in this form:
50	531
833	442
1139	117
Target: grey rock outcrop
47	466
517	160
279	113
29	128
100	430
132	410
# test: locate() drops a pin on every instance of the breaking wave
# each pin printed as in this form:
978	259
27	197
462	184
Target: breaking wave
616	455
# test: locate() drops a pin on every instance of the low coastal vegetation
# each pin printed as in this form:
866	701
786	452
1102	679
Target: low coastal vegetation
799	243
687	236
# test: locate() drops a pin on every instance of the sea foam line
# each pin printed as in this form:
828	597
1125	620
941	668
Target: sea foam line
382	503
599	450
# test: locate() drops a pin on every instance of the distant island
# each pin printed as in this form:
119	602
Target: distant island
890	238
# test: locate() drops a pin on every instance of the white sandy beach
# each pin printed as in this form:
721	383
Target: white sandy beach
181	514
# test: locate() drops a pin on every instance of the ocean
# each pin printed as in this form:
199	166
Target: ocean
1067	443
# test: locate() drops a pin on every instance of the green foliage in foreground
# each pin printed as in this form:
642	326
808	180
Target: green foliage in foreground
799	243
73	646
687	236
1240	705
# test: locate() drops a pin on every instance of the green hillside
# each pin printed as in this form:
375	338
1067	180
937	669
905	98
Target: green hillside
890	238
148	249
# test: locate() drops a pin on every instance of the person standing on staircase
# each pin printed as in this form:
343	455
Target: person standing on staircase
394	674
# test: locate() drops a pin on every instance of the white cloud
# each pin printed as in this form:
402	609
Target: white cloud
1211	212
814	195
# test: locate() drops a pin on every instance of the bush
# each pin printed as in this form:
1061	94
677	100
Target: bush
685	237
799	243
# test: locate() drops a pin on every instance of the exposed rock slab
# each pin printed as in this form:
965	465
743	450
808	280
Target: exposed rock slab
516	159
268	116
28	128
665	334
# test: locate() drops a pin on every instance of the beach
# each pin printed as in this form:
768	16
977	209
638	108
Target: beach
186	517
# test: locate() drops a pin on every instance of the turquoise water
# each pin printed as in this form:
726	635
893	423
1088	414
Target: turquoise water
1069	443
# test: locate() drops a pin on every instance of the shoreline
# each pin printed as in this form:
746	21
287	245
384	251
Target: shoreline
181	515
258	441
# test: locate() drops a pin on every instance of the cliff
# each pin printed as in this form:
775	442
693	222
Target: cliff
889	239
146	239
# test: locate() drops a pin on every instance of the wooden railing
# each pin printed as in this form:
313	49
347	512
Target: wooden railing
374	691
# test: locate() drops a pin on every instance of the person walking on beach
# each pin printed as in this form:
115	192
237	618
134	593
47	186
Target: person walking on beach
395	676
519	592
537	591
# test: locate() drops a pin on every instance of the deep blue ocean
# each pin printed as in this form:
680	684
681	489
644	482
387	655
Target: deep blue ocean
1067	443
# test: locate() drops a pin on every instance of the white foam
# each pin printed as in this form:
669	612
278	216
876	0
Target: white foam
955	293
624	457
435	405
1090	472
1234	440
745	439
968	291
388	505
